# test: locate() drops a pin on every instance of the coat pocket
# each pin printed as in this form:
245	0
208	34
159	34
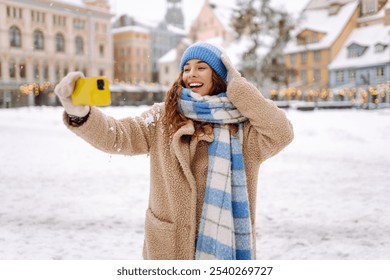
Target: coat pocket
160	239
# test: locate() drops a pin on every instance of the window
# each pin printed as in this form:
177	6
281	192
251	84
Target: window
315	38
101	50
370	6
38	40
12	69
59	20
352	75
380	72
15	37
101	72
79	45
355	50
15	13
22	70
36	71
304	57
303	77
38	16
46	72
339	76
380	48
60	43
317	75
58	73
293	58
317	56
78	24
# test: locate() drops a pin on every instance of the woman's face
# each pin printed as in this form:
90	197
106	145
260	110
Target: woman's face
197	76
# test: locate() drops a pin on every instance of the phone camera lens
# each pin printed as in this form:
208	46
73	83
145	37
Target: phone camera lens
100	84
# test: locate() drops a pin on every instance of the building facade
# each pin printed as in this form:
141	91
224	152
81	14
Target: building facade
317	40
132	54
361	70
163	36
41	41
342	52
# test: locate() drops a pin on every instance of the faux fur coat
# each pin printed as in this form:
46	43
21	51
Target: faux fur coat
178	167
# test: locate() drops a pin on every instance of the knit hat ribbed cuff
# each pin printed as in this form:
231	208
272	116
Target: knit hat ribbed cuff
207	53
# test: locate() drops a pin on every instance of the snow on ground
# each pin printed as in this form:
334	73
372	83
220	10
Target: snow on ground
326	196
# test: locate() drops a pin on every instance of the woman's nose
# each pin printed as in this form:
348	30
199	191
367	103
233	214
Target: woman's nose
193	73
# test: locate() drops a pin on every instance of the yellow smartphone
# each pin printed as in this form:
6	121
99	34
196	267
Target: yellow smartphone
92	91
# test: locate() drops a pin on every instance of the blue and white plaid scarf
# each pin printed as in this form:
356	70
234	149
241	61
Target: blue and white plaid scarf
225	230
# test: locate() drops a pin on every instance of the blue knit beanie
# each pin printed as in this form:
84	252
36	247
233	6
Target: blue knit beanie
207	53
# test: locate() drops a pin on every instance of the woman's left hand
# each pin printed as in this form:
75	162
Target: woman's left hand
232	71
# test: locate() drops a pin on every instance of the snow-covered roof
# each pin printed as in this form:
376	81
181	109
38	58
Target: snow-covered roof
170	56
79	4
321	4
132	28
320	20
176	30
368	36
378	15
72	2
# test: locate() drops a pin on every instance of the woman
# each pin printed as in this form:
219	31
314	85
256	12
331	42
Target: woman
205	150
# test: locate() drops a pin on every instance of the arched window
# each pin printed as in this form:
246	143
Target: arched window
15	37
79	45
60	42
38	40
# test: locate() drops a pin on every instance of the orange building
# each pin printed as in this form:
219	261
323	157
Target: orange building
132	62
318	38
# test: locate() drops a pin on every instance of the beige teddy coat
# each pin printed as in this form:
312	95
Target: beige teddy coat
178	168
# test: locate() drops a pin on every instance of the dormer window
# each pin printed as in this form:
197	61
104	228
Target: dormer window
380	48
334	8
308	36
369	6
355	50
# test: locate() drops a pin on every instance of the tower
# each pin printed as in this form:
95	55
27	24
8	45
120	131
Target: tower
174	15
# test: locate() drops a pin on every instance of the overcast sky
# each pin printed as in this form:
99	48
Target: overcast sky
155	9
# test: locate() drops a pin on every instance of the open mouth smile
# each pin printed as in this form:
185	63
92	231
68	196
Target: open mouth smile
195	85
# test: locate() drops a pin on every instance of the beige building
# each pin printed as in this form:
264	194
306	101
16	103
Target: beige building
42	40
132	54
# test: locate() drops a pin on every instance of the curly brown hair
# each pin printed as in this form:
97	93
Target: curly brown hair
173	119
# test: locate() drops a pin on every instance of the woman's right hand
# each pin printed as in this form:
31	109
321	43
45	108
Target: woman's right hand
232	71
64	92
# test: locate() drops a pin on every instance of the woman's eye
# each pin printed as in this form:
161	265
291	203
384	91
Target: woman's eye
186	70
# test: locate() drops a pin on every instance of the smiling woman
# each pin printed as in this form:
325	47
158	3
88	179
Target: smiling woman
206	144
197	75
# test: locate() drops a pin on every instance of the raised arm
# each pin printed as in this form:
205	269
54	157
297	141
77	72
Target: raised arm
128	136
274	130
